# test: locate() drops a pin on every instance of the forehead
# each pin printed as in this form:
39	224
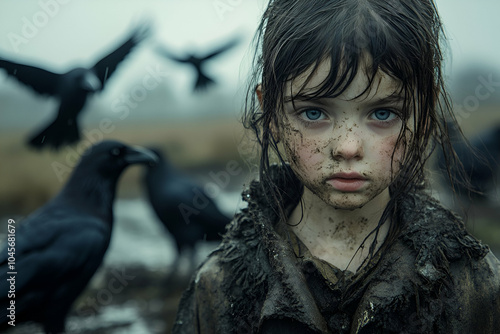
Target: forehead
313	79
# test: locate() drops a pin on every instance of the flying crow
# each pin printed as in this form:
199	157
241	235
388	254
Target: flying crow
197	61
182	205
71	88
58	248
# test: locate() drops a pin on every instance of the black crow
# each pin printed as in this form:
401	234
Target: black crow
480	161
183	206
71	88
58	248
197	61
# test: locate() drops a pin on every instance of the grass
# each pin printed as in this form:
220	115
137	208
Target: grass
28	177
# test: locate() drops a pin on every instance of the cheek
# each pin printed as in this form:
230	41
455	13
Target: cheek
385	152
303	154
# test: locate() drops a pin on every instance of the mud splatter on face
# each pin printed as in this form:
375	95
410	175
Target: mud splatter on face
355	133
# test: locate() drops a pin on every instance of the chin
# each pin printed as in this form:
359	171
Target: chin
349	201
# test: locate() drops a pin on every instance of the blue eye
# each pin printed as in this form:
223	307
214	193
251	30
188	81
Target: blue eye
312	114
382	114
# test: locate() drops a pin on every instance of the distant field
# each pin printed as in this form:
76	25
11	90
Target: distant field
29	178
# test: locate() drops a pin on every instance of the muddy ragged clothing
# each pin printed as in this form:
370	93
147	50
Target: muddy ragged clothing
433	277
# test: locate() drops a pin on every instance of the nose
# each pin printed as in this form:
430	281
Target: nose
348	143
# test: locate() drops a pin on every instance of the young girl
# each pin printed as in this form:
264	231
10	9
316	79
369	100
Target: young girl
341	236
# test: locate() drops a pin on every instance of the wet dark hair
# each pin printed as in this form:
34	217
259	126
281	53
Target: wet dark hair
403	39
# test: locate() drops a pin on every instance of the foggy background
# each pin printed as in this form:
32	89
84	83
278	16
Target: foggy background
200	131
80	32
58	35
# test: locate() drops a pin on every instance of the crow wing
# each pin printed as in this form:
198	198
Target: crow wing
221	49
47	261
105	67
42	81
167	54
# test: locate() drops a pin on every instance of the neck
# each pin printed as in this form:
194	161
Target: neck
96	194
335	235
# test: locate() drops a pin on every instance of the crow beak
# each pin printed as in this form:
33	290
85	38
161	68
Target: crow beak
140	155
91	82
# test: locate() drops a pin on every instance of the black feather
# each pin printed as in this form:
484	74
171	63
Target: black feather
59	247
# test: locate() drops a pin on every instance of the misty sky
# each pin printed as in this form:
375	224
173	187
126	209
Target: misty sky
77	32
473	30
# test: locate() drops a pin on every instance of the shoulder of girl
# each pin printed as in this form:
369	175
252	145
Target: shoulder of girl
210	272
493	264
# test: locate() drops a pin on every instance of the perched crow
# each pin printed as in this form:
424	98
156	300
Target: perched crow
480	161
59	247
185	209
202	81
71	88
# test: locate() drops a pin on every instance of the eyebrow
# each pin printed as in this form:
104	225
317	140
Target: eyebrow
390	99
305	98
393	98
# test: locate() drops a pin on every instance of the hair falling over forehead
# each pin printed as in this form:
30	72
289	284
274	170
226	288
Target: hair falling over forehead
401	37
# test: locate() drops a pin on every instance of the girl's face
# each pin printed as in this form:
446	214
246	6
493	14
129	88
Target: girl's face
341	148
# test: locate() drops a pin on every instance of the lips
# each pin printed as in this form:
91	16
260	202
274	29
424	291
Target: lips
347	182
